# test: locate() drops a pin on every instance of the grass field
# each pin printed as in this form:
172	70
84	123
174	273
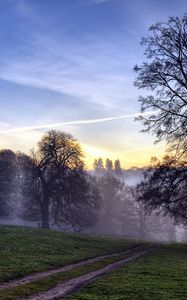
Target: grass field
27	250
44	284
159	276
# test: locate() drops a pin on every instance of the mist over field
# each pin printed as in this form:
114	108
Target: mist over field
108	203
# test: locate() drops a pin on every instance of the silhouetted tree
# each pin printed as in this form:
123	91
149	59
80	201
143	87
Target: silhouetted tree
99	167
55	182
117	168
76	205
165	75
164	188
95	163
109	165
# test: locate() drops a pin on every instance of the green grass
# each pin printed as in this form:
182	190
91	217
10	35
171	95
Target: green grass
27	250
159	276
51	281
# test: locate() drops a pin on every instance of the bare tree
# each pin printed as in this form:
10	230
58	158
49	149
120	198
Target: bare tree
164	188
76	205
165	75
55	181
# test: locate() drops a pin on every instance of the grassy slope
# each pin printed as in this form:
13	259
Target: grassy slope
160	276
27	250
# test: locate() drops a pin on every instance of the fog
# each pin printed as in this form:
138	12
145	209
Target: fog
103	201
122	215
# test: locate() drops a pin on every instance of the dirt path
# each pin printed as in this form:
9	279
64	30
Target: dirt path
72	285
37	276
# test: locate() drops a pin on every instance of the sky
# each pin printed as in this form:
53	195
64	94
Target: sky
68	65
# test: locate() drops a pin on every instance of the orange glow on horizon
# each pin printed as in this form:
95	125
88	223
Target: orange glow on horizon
139	157
133	158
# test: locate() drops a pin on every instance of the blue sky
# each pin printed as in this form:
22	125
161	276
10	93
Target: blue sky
71	60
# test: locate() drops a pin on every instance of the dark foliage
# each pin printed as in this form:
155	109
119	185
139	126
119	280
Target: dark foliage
164	188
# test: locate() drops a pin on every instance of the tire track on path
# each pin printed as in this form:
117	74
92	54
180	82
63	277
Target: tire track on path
72	285
40	275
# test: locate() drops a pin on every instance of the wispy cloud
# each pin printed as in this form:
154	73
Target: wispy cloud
92	73
78	57
79	122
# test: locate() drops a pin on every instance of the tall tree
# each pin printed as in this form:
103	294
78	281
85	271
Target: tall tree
99	167
95	164
165	75
117	168
54	179
109	165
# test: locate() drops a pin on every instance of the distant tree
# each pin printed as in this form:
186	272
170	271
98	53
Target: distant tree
30	188
128	213
109	165
99	167
135	219
117	168
95	163
7	180
165	75
110	188
184	234
56	184
140	221
169	228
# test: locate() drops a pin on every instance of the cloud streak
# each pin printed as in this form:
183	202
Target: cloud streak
78	122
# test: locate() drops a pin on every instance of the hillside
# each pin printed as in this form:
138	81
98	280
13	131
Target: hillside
38	264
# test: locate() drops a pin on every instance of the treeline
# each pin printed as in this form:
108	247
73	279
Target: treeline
51	188
100	168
